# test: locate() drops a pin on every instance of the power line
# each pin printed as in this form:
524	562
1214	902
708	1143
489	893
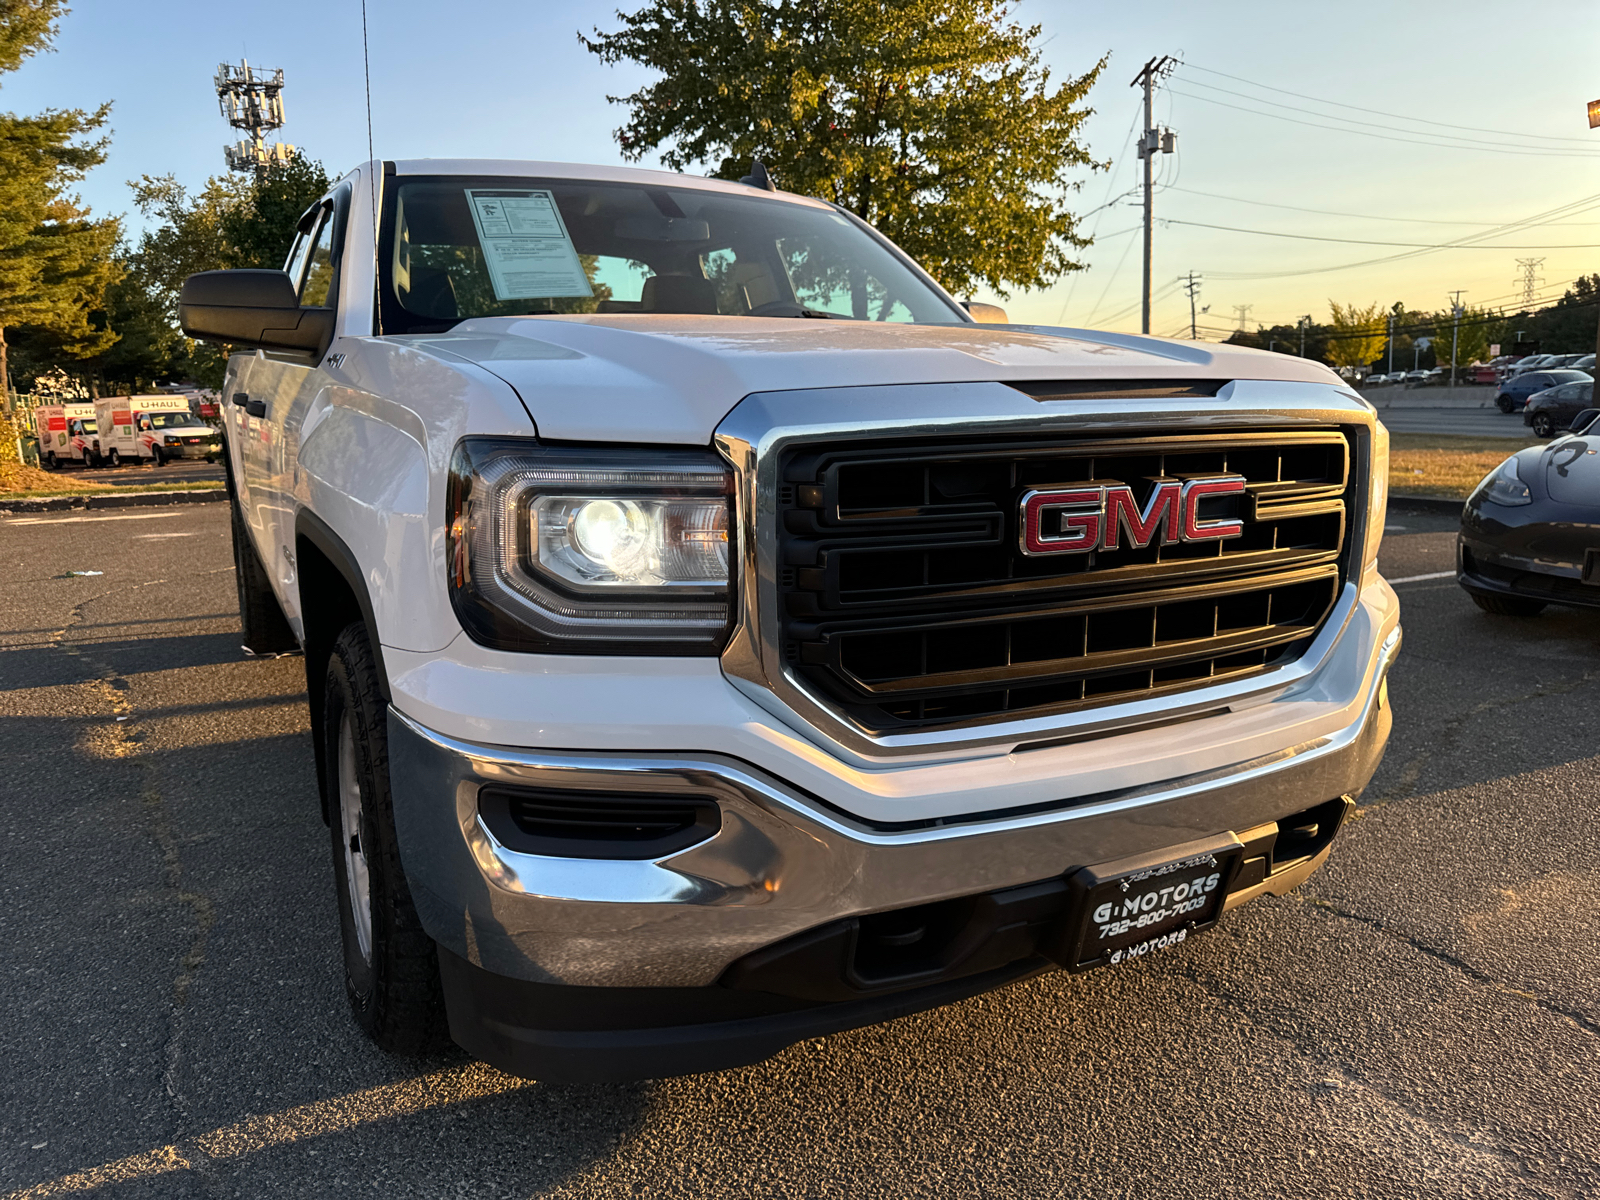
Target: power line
1570	208
1519	144
1388	137
1324	212
1379	112
1312	237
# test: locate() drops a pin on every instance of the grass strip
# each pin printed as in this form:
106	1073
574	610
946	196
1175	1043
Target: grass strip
1438	464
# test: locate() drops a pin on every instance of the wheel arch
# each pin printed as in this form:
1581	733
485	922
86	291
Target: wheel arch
333	593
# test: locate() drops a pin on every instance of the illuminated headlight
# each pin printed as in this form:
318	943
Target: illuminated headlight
589	551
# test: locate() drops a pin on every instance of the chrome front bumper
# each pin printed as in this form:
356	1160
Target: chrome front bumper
784	862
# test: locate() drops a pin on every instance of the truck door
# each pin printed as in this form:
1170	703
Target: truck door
282	387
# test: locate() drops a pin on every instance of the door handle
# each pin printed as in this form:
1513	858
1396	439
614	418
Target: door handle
241	399
255	408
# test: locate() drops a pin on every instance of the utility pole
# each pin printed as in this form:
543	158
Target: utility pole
1151	142
1455	332
1191	285
1391	343
1303	323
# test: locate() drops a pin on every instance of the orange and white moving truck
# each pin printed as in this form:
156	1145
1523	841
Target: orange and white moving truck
63	436
153	427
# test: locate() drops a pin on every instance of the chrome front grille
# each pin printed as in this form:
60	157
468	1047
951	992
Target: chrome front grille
905	601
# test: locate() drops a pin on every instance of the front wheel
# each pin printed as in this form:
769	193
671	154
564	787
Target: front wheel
391	965
1508	606
161	459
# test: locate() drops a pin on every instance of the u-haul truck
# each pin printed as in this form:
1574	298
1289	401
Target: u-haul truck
66	432
154	427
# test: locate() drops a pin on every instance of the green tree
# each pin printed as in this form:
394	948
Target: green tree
231	222
54	257
932	119
1358	334
259	231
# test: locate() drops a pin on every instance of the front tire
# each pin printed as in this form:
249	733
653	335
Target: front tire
1508	606
391	964
161	459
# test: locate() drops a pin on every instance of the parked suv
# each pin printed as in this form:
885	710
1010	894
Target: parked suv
716	639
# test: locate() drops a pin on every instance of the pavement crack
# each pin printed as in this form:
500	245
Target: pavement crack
120	738
1588	1024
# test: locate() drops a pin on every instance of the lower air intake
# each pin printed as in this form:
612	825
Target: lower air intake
578	824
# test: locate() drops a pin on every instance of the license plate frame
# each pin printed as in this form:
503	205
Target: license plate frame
1125	909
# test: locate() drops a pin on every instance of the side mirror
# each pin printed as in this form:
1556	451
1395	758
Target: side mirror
1581	421
986	314
254	309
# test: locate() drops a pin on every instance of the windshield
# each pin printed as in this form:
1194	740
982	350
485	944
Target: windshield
458	247
88	426
169	420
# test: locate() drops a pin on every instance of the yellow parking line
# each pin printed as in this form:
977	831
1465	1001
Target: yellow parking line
336	1115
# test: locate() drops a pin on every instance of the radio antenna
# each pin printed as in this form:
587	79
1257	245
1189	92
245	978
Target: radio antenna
372	185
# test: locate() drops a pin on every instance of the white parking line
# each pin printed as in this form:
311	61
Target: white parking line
1421	578
70	520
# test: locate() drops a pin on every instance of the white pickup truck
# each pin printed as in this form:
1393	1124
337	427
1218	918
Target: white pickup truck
716	639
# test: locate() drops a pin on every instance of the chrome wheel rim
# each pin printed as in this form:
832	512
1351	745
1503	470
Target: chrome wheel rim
355	857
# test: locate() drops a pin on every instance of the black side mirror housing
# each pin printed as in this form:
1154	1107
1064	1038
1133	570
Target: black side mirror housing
254	309
1581	421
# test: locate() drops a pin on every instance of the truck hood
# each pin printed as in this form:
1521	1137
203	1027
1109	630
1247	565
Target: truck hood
671	379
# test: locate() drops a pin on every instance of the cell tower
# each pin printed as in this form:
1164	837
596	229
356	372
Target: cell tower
251	98
1530	279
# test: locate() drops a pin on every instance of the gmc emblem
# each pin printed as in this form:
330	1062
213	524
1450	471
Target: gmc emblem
1095	516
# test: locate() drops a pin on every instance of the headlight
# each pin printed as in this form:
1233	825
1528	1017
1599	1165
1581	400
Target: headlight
1504	486
168	439
607	551
1377	492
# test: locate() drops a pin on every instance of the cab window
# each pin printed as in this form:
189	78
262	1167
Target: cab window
320	264
295	265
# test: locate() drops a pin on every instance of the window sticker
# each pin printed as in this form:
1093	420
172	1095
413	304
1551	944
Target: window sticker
525	245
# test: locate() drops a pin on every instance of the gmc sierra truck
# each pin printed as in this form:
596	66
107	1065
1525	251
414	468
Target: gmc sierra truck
716	639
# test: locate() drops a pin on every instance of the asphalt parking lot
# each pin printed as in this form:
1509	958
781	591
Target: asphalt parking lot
1421	1019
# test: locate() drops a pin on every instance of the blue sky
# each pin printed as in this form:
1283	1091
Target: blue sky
507	79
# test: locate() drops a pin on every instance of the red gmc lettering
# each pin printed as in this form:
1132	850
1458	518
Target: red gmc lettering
1160	515
1081	512
1196	490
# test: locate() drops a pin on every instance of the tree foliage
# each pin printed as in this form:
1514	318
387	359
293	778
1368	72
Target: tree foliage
55	258
932	119
1359	334
233	221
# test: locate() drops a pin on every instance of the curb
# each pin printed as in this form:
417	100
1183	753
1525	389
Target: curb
112	500
1438	504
